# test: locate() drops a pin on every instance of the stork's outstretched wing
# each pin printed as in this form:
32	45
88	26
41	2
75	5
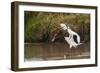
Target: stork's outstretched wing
70	40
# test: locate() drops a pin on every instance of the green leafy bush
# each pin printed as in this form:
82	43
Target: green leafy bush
40	25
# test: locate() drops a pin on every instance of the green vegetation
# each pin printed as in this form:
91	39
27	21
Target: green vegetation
40	25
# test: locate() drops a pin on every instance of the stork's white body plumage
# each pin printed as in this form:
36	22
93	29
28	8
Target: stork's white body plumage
70	39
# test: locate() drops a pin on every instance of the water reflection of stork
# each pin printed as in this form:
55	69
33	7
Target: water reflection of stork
73	39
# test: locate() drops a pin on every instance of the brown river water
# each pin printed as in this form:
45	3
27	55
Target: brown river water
55	51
